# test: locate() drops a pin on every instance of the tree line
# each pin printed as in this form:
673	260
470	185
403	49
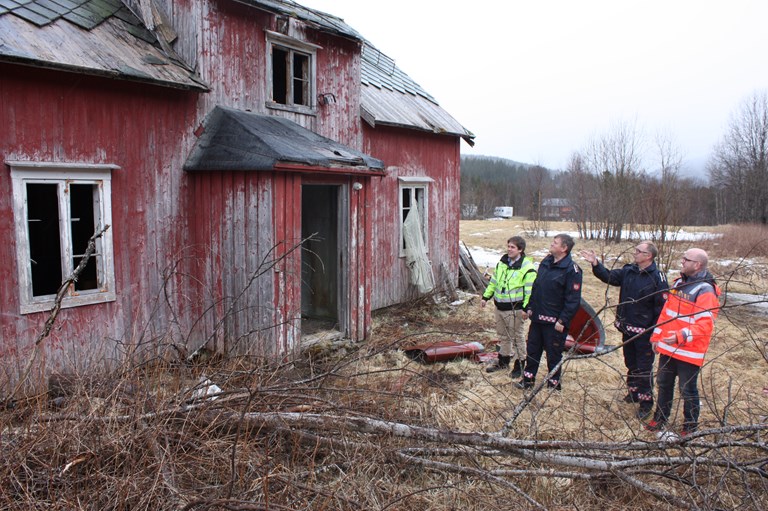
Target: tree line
623	178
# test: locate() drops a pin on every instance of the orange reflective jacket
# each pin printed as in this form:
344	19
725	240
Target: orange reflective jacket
688	316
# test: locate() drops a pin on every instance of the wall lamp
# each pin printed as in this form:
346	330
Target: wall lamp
326	98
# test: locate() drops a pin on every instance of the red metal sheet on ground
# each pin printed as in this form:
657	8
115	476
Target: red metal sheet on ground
586	332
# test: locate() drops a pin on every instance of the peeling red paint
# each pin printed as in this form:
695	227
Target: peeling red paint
187	246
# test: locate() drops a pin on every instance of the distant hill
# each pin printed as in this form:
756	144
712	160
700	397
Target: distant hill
481	158
488	182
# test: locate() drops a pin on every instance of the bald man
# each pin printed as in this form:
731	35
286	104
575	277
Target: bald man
682	337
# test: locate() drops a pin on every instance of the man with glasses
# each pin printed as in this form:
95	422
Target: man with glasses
682	339
641	298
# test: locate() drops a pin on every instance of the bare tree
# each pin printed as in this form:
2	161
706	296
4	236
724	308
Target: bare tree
739	165
537	181
662	211
581	193
616	158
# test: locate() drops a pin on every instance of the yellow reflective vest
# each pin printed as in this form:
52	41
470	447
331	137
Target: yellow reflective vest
511	283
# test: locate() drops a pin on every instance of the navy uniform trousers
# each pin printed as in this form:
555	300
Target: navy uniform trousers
638	359
542	337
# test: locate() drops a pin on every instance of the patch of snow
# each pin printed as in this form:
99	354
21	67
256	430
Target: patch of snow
737	262
680	235
485	257
487	232
757	301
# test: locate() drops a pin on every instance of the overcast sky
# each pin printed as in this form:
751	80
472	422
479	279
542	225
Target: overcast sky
536	80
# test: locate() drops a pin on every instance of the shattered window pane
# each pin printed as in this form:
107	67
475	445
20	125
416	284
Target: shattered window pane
413	196
291	77
44	241
57	211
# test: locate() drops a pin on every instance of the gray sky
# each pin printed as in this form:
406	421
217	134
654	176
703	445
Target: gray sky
536	80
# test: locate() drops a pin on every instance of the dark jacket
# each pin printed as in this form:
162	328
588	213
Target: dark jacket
556	294
642	293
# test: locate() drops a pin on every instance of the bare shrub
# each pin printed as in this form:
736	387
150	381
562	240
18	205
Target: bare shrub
744	240
372	429
369	428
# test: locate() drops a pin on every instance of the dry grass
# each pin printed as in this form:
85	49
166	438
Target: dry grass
299	437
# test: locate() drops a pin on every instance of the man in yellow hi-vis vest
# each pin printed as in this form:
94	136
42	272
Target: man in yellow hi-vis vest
510	287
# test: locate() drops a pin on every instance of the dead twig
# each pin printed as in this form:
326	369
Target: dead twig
60	295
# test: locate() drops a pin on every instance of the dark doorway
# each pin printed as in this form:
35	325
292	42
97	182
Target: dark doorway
321	258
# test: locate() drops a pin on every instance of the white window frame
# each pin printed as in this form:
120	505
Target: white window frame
292	46
63	175
413	184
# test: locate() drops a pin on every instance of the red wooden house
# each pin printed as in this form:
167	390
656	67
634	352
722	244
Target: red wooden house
254	161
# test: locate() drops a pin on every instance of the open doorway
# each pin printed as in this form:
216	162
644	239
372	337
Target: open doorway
322	260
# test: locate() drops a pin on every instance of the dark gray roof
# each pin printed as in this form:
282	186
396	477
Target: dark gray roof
389	97
555	202
99	37
237	140
104	38
86	14
320	20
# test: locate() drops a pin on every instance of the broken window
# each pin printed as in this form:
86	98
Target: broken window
292	67
413	194
57	211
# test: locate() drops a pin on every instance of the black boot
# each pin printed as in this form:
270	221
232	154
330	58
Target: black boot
503	364
525	383
554	384
645	409
517	370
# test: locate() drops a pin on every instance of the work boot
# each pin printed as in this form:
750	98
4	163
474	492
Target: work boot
503	364
528	381
517	370
654	425
645	409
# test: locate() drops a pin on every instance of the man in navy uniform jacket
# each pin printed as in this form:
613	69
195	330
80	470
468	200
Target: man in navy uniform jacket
555	298
641	298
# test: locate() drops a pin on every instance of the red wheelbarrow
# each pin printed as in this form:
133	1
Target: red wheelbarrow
586	331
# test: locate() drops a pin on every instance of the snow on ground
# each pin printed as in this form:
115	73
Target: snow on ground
680	235
758	302
736	262
487	258
488	232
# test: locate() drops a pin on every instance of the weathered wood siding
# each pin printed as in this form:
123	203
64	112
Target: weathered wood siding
49	116
231	57
412	153
186	247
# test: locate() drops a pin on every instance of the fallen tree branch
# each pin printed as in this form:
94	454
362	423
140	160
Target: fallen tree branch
482	474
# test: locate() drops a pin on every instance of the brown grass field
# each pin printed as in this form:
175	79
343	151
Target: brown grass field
362	426
733	385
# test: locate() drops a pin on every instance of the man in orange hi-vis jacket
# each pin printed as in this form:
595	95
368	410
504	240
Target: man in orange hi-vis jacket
681	338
